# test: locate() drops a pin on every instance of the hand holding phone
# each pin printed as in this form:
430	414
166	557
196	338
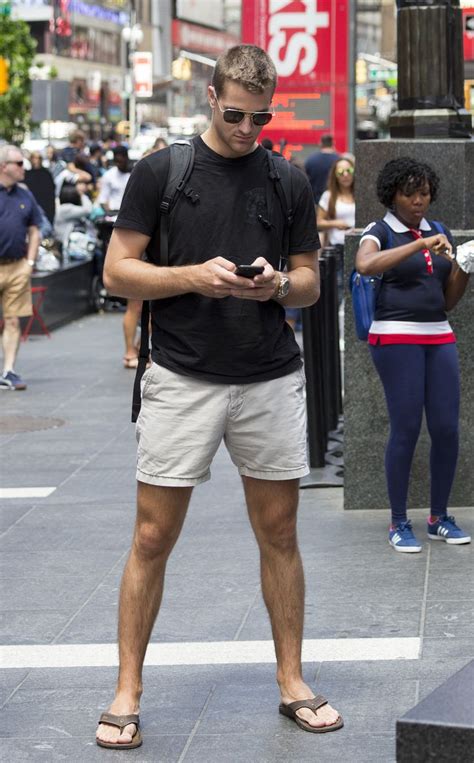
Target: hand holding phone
249	271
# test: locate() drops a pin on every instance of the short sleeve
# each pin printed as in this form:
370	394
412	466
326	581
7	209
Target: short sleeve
140	206
303	233
324	201
376	231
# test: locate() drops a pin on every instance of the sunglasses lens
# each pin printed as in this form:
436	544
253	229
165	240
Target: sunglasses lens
233	117
262	118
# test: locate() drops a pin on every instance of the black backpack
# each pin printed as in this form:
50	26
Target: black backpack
177	184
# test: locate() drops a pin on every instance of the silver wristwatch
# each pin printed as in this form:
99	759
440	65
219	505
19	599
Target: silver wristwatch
283	287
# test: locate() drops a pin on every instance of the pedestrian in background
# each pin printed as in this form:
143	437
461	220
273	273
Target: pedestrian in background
412	344
111	190
20	220
318	164
225	365
336	212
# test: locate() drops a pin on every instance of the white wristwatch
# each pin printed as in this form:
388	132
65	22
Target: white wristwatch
31	263
283	287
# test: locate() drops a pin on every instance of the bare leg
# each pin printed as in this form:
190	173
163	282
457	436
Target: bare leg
160	516
272	508
130	323
10	342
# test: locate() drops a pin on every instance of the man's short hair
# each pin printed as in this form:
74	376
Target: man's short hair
247	65
76	135
6	150
120	151
327	141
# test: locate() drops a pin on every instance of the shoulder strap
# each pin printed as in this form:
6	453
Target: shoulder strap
179	171
180	168
437	226
279	172
389	234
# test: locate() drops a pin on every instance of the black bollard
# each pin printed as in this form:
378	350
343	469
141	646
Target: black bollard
336	255
313	332
331	338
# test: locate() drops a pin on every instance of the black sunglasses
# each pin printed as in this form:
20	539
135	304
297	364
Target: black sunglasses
235	116
18	163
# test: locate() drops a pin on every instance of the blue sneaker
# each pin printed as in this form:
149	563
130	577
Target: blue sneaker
403	539
446	529
11	380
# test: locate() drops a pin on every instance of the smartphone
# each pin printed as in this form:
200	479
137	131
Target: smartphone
249	271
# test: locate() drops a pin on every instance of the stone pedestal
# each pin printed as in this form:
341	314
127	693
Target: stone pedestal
365	416
441	727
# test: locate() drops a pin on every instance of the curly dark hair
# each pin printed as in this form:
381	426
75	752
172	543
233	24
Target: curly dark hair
406	175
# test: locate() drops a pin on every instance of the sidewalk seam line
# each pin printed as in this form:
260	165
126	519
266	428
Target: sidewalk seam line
247	614
197	724
424	602
84	604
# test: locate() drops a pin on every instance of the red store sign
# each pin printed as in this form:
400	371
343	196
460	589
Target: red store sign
309	42
468	33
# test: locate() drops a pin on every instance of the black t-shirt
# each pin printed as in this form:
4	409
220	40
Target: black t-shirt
230	340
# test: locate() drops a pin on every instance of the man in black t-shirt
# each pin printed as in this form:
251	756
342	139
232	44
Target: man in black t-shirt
225	366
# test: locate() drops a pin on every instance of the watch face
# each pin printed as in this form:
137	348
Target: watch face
284	287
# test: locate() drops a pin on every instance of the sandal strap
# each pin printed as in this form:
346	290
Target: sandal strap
312	704
120	720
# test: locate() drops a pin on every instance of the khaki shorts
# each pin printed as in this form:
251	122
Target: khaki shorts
15	289
183	420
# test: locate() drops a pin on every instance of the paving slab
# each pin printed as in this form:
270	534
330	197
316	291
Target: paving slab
61	560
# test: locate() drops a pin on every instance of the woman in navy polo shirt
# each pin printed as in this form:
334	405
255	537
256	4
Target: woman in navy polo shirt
412	344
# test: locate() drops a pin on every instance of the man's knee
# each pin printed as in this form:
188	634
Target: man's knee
152	541
278	532
12	323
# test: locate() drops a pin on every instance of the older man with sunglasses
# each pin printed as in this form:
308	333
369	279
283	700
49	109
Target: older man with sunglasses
20	220
226	366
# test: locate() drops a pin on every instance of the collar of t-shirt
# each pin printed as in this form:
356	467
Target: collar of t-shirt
398	227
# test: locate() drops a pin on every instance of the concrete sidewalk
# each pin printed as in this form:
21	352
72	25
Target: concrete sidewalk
382	629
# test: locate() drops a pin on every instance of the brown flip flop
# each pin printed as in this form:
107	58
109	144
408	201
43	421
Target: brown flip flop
120	721
313	704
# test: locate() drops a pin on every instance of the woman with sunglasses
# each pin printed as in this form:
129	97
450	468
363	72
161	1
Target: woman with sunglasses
412	344
336	210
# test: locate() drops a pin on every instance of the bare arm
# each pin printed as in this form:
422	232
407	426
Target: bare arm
34	239
126	275
370	260
456	286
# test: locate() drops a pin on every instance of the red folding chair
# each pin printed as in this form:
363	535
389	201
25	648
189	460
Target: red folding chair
38	294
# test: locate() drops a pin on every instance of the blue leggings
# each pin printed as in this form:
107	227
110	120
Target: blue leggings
416	377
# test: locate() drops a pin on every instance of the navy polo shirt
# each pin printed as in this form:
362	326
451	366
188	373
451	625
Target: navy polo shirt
18	211
408	292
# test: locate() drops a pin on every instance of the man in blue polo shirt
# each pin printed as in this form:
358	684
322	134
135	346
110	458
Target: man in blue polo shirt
20	219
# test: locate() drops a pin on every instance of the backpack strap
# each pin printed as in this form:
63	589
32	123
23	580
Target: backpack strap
142	360
179	171
279	172
180	168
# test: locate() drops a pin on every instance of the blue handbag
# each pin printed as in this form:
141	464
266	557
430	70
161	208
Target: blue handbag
364	290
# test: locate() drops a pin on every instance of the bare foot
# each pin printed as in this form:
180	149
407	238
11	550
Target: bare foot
112	734
324	716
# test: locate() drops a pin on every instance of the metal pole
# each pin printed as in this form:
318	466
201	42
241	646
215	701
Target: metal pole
132	101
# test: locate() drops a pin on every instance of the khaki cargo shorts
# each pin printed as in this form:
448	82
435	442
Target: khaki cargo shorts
15	289
183	420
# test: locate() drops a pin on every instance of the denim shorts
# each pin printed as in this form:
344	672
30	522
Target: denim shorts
183	420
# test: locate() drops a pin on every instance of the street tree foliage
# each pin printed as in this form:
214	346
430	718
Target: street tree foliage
18	47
